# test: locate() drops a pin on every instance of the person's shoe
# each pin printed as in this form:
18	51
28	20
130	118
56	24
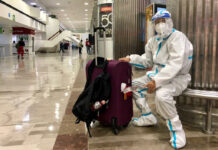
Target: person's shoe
145	120
22	57
18	57
177	139
177	134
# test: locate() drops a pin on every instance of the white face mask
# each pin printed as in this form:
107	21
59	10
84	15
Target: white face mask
161	28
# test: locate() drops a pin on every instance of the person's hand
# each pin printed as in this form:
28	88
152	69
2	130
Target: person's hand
126	59
151	86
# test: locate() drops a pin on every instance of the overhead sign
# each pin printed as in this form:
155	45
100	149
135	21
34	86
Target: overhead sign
21	30
105	19
104	9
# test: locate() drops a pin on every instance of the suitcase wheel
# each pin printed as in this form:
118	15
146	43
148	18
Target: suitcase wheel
114	126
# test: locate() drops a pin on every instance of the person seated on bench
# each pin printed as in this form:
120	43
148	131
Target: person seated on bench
169	53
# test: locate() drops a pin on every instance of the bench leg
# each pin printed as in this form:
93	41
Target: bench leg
208	119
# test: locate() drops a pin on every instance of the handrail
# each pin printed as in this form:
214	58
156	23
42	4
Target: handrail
55	34
61	28
6	4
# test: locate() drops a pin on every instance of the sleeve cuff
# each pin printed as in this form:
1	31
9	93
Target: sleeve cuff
157	83
131	57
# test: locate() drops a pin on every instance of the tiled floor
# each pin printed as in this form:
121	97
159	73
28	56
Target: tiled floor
36	99
34	93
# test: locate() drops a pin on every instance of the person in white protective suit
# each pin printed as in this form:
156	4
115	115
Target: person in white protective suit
169	53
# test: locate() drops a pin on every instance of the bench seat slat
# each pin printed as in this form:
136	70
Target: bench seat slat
209	96
213	95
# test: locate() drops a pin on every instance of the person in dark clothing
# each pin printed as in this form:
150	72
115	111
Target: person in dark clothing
88	46
80	47
62	47
21	45
66	46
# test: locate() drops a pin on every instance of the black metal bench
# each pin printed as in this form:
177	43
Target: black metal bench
210	96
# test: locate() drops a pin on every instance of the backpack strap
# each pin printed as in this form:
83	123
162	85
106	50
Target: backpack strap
88	128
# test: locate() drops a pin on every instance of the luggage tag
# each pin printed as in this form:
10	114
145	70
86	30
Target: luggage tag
127	91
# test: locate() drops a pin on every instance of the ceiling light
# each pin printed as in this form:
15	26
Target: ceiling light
58	4
86	3
86	9
62	10
33	3
51	128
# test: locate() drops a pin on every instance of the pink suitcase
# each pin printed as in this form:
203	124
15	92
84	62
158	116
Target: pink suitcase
120	109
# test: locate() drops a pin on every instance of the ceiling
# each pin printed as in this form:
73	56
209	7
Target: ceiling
71	13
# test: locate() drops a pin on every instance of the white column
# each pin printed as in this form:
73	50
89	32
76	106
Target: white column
10	44
29	44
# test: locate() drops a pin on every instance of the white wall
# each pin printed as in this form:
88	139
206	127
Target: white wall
108	52
40	36
5	37
43	17
6	41
35	12
84	36
52	27
21	5
20	19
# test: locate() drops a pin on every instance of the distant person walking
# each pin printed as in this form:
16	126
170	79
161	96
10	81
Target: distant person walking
62	47
80	46
20	46
88	46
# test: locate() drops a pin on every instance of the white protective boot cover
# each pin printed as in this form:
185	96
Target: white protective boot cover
147	118
177	134
94	124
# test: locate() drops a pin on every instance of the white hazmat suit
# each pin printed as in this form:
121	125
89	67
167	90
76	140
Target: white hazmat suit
169	53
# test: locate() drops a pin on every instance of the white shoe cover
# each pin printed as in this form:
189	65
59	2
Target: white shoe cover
145	120
177	134
94	124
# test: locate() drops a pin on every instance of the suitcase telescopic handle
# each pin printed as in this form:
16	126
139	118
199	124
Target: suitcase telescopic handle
96	40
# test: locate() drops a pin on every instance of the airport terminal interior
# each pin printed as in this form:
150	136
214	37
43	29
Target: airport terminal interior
46	47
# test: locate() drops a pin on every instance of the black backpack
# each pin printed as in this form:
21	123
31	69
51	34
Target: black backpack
17	46
97	90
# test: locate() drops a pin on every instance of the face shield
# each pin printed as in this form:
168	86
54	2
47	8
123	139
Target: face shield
162	23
